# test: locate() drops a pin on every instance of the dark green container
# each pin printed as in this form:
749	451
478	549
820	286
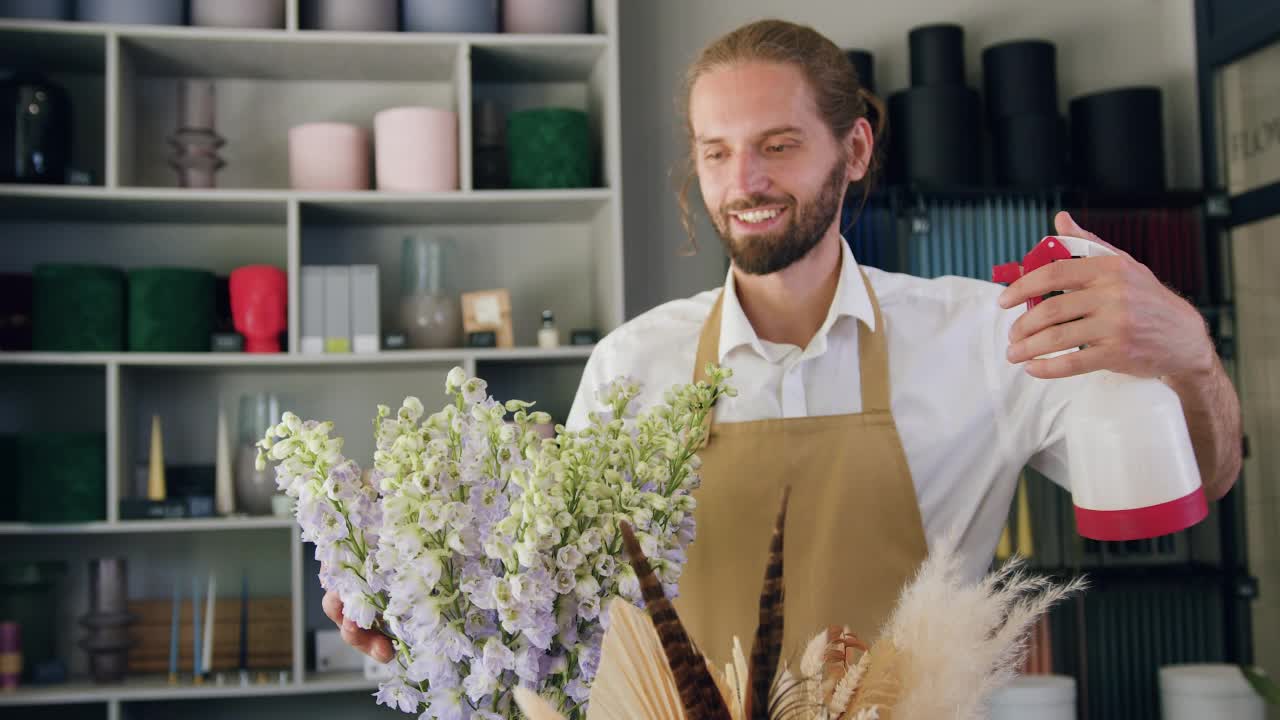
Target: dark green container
170	310
62	477
77	308
29	594
9	481
550	148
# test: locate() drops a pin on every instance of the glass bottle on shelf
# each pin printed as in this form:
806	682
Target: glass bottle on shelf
254	488
430	313
548	335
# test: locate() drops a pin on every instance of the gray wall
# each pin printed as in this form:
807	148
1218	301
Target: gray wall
1101	44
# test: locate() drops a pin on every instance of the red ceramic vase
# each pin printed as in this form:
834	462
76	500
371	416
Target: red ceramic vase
259	299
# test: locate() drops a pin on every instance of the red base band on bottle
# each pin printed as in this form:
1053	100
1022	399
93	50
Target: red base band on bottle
1143	523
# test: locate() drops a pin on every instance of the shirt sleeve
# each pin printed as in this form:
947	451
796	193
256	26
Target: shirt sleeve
587	400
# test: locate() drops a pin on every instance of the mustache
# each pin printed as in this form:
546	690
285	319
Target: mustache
755	201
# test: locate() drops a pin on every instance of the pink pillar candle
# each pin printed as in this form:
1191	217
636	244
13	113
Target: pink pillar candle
416	149
544	16
328	156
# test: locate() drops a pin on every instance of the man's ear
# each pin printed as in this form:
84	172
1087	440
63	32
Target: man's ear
859	145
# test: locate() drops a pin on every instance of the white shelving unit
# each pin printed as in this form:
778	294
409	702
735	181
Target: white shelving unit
556	249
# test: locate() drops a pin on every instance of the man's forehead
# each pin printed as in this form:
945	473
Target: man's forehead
749	99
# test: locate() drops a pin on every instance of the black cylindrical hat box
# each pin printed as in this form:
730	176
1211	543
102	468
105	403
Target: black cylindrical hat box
864	66
895	169
937	55
939	133
1020	78
1030	150
1117	140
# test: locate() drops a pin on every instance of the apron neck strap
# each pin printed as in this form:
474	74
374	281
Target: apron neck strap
873	354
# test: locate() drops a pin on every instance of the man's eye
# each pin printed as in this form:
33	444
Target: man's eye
776	148
714	155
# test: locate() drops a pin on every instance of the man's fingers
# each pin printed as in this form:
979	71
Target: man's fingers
1055	339
370	642
332	605
1067	225
1072	363
1073	274
1054	311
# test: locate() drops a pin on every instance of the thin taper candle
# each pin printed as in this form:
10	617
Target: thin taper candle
195	628
244	620
173	634
206	659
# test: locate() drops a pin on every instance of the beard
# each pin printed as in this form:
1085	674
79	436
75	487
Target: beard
762	254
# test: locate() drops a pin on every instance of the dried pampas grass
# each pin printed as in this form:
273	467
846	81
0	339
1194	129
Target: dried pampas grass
947	645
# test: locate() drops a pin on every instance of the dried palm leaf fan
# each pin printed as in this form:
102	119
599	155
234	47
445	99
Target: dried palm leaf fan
945	647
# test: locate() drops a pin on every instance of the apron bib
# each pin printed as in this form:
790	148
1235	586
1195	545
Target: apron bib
854	536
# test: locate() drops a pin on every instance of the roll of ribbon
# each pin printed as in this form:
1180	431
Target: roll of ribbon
864	67
937	137
416	149
549	148
238	13
352	15
1117	140
937	55
544	16
328	156
1029	150
132	12
170	310
36	9
62	476
1020	78
78	308
451	16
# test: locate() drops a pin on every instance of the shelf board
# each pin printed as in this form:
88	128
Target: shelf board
146	688
129	527
96	204
488	207
279	55
290	360
63	203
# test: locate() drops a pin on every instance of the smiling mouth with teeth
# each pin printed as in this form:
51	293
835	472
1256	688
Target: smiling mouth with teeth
757	216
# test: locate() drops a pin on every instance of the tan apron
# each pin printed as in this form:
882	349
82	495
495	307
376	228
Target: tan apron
854	536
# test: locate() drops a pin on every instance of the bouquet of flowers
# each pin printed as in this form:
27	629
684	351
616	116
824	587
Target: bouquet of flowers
487	554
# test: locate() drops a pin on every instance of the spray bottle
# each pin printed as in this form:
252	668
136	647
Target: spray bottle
1133	470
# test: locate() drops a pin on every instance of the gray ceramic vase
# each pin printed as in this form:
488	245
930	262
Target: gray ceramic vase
451	16
132	12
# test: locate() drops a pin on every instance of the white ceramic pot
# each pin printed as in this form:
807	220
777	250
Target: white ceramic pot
544	16
354	15
416	149
328	156
1035	697
238	13
1207	692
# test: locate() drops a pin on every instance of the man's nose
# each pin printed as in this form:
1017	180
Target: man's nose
749	173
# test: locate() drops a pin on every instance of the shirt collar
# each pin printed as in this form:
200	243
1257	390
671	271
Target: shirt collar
851	300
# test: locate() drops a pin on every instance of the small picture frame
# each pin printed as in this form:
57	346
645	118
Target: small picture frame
488	311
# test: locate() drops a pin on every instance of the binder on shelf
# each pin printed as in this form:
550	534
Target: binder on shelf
312	310
365	331
337	313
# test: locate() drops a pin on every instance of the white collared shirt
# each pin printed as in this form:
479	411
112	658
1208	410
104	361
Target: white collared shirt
968	419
